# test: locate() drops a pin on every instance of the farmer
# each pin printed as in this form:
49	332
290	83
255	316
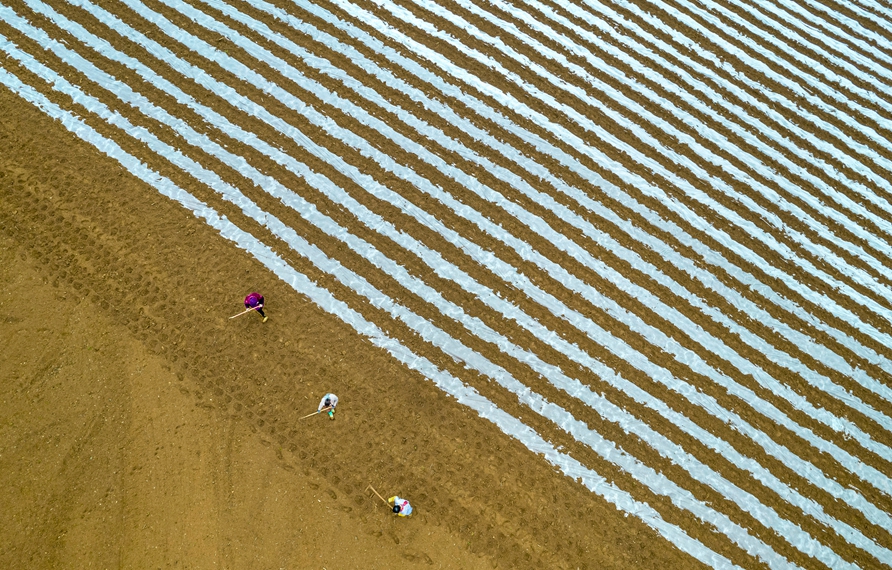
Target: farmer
400	506
255	301
328	401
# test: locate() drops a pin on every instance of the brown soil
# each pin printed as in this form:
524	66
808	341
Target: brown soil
110	461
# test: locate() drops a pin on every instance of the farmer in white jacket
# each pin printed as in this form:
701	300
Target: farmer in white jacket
401	506
329	401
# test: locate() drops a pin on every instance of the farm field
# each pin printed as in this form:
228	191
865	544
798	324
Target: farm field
598	284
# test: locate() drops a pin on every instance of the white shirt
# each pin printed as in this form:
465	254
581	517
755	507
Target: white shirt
405	507
331	397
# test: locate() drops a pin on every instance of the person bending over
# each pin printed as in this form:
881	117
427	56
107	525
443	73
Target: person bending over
255	301
329	401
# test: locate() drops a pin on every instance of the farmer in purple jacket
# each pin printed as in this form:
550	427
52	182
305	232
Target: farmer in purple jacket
255	301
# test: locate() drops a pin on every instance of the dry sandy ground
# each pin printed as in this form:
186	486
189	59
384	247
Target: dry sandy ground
106	461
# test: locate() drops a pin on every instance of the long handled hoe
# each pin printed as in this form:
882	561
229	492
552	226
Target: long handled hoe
379	496
247	311
316	412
